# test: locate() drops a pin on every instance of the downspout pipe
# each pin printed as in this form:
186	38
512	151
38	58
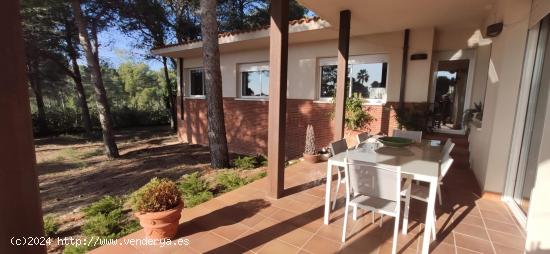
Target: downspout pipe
404	69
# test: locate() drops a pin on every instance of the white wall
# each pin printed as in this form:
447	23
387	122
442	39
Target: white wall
303	61
503	87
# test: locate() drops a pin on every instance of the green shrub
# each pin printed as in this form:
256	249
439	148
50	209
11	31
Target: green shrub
104	206
196	199
156	196
51	225
195	189
258	176
413	118
250	162
106	219
245	162
230	180
75	249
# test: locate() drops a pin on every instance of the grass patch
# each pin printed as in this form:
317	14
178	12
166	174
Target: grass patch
104	219
51	225
230	180
195	189
250	162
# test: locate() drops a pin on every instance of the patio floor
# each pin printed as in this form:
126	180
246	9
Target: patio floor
247	220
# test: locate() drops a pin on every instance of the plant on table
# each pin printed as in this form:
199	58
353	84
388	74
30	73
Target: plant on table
158	206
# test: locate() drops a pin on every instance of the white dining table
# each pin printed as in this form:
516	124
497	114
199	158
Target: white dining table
421	161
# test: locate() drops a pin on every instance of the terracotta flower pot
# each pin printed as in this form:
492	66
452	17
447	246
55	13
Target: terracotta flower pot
312	158
161	225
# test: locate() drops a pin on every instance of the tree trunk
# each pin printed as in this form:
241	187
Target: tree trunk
171	99
77	78
213	84
102	102
37	90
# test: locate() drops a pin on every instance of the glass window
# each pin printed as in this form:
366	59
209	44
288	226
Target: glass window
196	82
254	80
366	76
328	81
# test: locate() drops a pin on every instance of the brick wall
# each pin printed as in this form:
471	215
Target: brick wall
246	124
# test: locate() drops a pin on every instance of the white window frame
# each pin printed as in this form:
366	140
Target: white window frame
250	67
188	79
360	59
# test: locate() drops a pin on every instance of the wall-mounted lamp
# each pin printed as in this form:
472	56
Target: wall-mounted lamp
495	29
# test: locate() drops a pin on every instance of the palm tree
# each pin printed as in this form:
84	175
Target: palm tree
213	84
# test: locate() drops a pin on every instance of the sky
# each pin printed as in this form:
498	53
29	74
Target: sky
117	48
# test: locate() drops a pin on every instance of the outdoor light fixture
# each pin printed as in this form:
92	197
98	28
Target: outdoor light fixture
494	29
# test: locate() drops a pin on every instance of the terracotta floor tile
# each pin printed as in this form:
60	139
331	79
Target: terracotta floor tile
278	247
460	250
470	230
231	232
507	240
443	248
318	244
503	227
253	240
473	243
297	237
208	242
492	215
501	249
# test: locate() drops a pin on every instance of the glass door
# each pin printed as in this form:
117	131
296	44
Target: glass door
534	121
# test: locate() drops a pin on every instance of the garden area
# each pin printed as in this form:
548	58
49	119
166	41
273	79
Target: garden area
84	194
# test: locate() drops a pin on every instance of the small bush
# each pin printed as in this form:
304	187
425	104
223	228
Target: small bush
156	196
230	181
105	219
75	249
250	162
104	206
51	225
195	190
196	199
246	162
258	176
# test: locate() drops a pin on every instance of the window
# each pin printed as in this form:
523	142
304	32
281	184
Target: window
367	75
254	79
196	82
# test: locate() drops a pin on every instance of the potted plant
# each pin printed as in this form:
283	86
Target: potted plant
158	206
310	153
474	115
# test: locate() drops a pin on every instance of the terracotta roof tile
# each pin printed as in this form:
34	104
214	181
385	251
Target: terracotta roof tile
236	32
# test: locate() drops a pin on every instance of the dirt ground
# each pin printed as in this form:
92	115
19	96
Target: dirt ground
73	172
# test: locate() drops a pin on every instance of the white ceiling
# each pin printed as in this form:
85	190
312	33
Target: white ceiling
378	16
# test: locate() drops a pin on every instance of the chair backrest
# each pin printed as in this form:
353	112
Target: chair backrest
373	180
362	137
445	165
414	135
448	147
338	146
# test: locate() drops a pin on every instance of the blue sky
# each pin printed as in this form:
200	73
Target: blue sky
117	48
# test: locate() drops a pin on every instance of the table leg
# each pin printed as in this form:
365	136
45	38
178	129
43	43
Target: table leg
429	217
327	192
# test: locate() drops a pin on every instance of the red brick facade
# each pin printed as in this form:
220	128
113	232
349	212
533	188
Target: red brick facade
246	124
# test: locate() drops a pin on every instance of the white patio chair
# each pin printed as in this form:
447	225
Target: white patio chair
362	137
375	188
421	192
445	165
337	147
414	135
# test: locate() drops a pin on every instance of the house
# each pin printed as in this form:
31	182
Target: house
446	55
451	53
